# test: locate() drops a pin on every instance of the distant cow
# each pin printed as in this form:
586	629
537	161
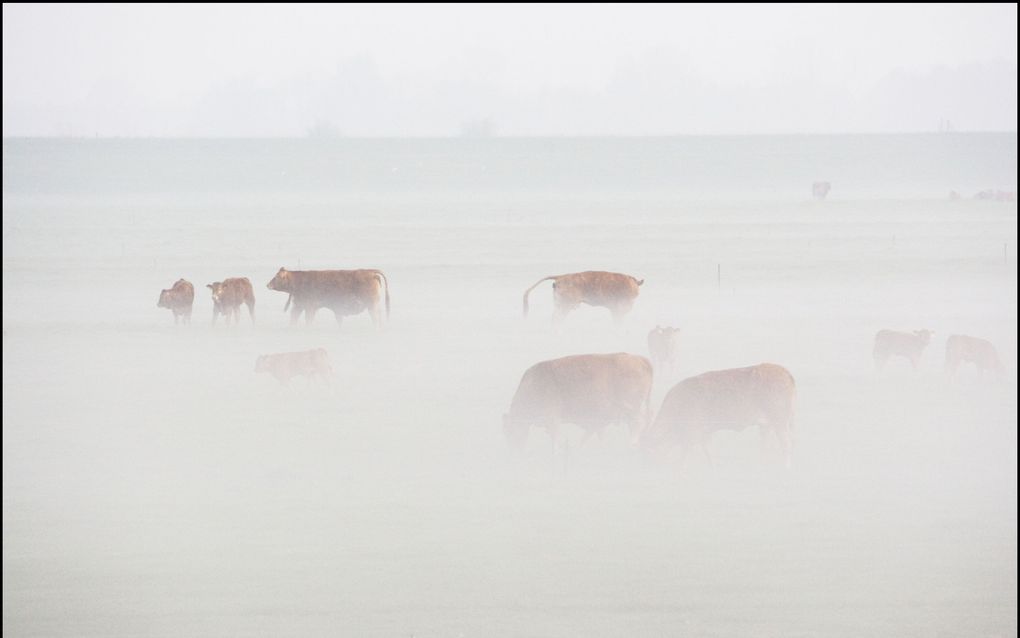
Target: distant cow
961	349
345	292
763	395
591	391
287	365
820	189
228	295
179	299
891	343
611	290
664	347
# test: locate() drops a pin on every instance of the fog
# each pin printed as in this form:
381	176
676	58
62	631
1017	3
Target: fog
154	484
436	70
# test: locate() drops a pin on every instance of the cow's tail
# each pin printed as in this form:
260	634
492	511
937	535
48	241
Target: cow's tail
386	286
528	291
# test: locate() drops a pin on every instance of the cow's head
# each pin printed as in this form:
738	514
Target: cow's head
261	364
282	281
164	299
924	335
515	431
217	290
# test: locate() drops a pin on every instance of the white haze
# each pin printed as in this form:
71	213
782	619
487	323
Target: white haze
438	70
155	485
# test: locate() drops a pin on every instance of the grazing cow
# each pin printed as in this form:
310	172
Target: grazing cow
178	299
591	391
228	295
961	349
287	365
890	343
820	189
611	290
664	347
345	292
763	395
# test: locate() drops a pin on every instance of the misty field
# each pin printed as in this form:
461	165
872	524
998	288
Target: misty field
153	484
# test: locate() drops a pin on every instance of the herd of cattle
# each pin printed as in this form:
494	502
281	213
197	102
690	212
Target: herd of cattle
591	391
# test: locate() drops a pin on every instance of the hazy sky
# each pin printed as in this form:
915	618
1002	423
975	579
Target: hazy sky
527	70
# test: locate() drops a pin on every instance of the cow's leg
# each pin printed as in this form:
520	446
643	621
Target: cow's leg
785	436
339	316
251	312
310	315
376	315
295	314
215	313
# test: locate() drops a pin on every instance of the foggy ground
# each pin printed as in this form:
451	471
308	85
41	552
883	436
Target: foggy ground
154	485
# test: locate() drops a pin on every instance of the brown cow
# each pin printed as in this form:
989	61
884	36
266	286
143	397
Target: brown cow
820	189
228	295
763	395
891	343
961	348
611	290
589	390
345	292
664	347
287	365
179	299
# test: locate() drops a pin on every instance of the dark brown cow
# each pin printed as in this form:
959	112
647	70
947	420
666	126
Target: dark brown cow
980	352
345	292
891	343
228	295
664	348
179	299
287	365
611	290
589	390
763	395
819	190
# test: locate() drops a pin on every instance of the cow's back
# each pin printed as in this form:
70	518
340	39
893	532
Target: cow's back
586	388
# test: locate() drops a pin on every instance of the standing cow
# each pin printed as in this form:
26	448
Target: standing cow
591	391
228	295
611	290
980	352
664	348
763	395
286	365
179	299
892	343
345	292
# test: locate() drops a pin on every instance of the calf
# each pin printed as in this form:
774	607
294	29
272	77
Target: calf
178	299
891	343
228	295
287	365
961	349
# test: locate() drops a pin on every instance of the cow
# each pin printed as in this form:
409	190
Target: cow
820	189
611	290
287	365
345	292
980	352
695	408
591	391
664	347
179	299
890	343
228	295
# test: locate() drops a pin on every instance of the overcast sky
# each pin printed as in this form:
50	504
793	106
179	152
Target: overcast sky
512	70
